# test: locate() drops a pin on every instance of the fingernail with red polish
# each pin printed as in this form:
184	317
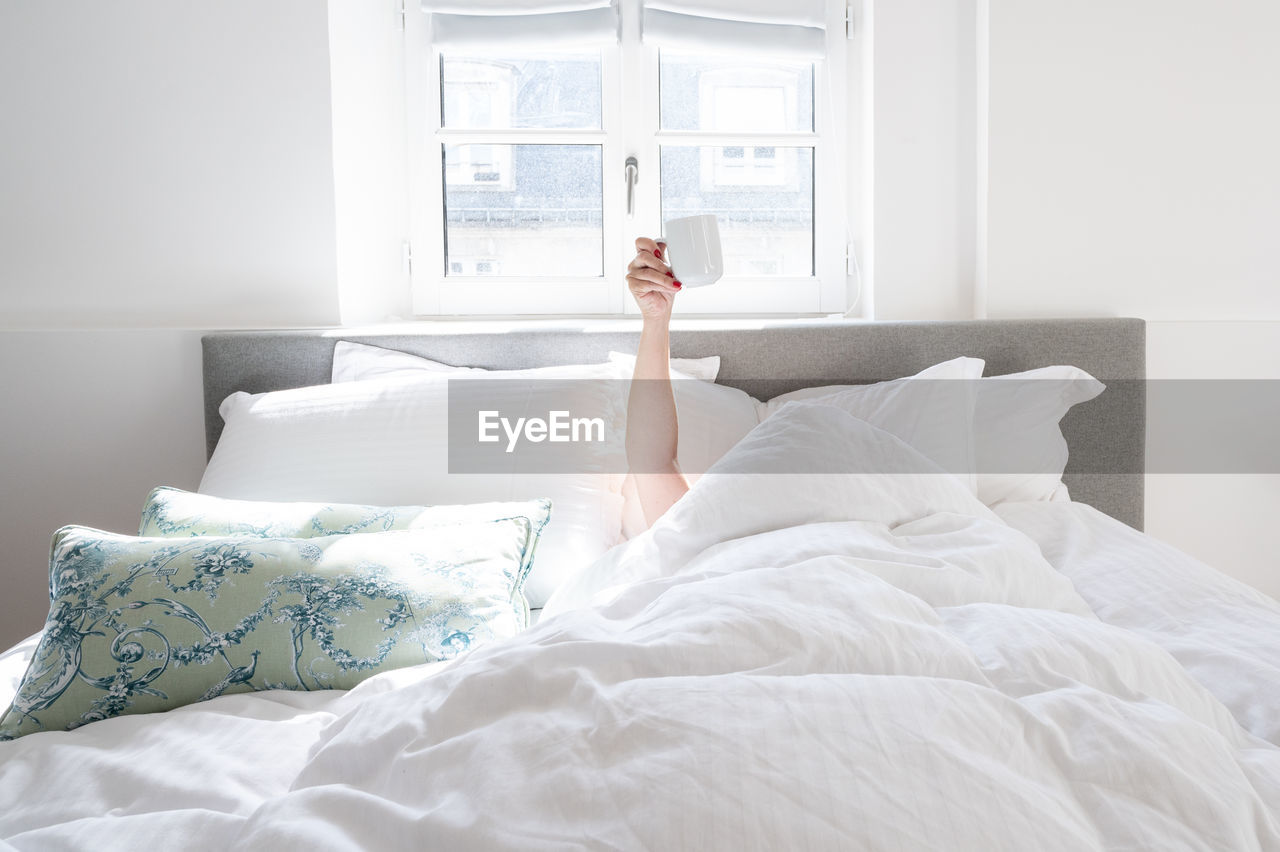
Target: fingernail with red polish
678	285
657	253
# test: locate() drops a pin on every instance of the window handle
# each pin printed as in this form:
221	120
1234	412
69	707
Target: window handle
633	174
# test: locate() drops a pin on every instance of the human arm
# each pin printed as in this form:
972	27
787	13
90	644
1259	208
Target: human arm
652	429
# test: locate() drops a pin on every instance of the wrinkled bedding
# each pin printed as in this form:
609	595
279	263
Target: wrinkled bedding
1224	633
789	659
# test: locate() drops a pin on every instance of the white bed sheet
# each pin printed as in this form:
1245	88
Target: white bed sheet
186	779
1224	632
784	661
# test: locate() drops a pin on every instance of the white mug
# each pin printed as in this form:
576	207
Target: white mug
693	250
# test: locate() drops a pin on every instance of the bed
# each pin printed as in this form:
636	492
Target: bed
868	658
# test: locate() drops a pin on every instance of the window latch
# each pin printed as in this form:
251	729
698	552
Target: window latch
633	175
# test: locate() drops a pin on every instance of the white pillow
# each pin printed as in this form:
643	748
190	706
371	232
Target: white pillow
385	442
932	411
712	418
705	369
354	362
1019	446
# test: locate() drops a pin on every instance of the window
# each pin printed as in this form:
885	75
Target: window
518	143
762	194
513	207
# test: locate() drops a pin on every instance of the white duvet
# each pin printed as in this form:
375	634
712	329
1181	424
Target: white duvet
787	660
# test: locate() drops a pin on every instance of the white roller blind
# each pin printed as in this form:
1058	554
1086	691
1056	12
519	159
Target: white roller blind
530	24
780	27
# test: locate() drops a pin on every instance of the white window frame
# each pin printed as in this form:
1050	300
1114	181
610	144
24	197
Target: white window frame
629	74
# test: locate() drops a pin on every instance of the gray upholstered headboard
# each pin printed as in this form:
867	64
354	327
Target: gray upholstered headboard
1106	436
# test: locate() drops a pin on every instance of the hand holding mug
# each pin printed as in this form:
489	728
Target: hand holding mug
650	280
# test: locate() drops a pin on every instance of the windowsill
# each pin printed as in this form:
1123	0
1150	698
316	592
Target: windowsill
586	323
455	324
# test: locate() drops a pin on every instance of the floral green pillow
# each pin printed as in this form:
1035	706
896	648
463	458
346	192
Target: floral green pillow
141	625
171	512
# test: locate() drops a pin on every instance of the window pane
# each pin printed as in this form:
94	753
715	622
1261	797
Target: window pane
727	94
531	210
525	90
762	197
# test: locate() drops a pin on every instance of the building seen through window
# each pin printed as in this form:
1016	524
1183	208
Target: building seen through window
532	209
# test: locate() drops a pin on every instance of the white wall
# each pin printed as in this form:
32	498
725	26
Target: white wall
924	83
166	164
1226	520
92	420
163	166
370	165
1133	159
1133	171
